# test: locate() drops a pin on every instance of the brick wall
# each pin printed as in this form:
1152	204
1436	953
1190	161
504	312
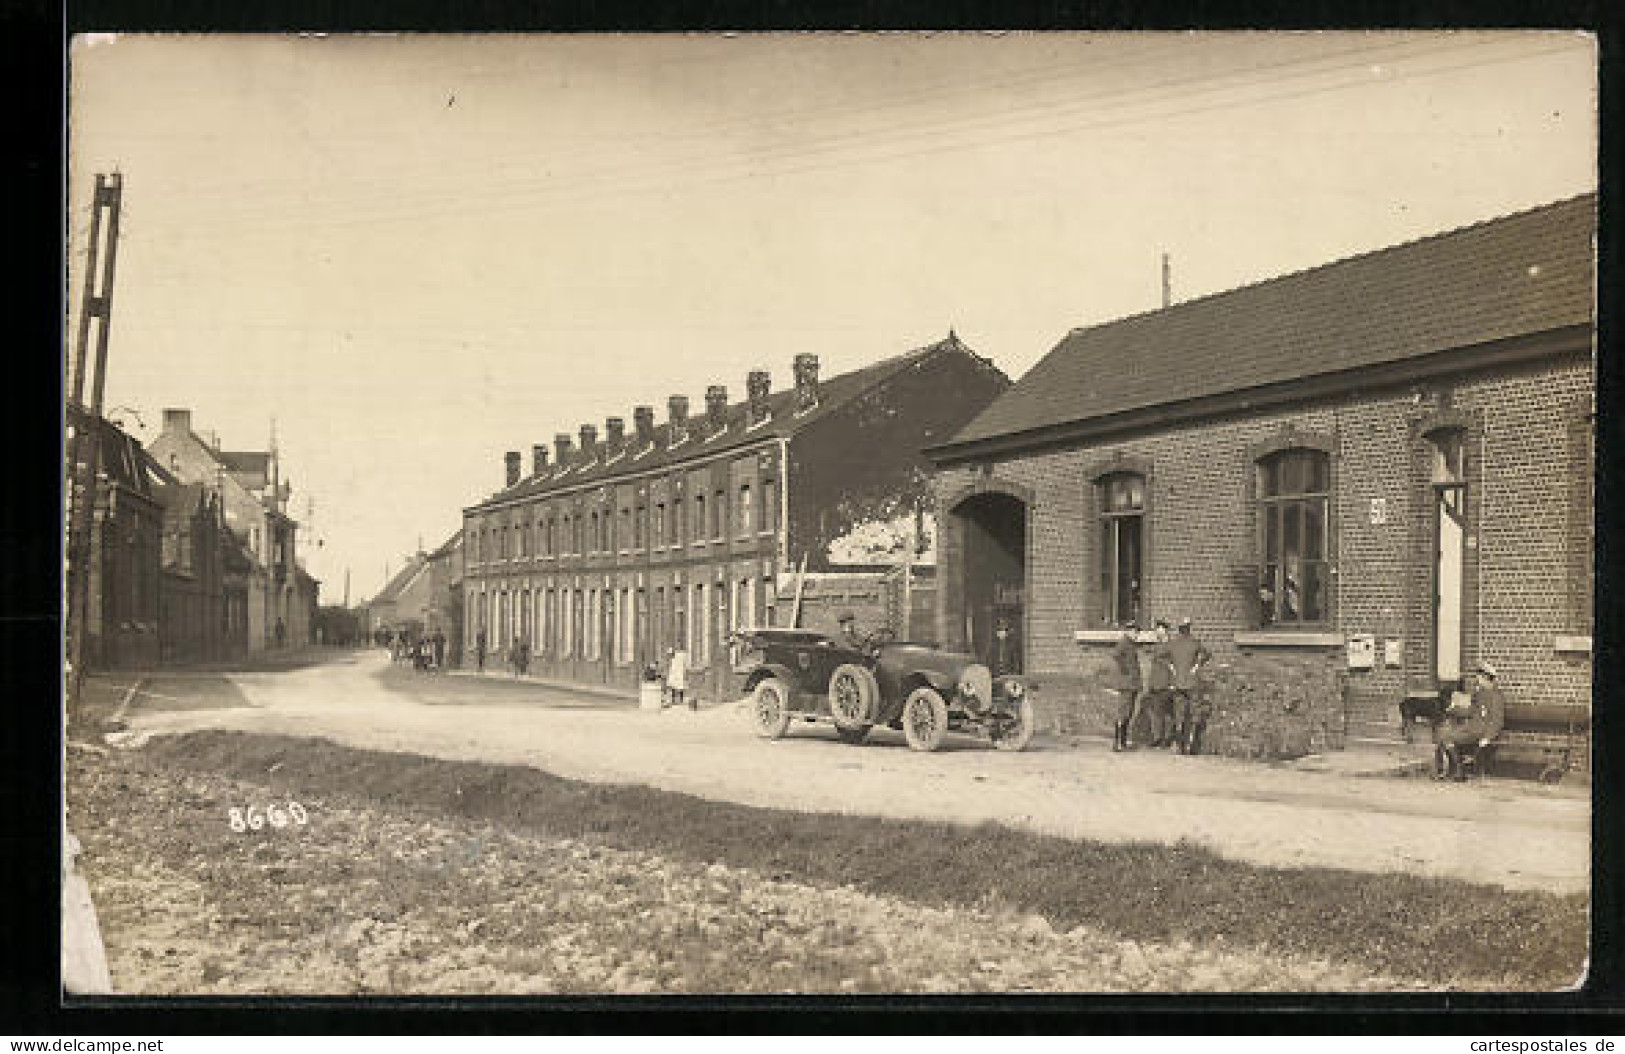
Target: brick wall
1523	550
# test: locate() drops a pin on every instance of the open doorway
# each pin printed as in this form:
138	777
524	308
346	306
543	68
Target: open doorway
990	617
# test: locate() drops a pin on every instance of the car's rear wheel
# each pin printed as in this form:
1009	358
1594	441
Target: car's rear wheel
925	719
853	735
1014	730
853	696
770	708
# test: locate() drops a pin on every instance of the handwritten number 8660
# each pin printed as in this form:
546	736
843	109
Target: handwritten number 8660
252	819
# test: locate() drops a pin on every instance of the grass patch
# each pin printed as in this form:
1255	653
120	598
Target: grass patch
1457	934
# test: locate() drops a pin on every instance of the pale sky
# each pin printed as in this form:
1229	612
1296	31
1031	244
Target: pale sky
418	252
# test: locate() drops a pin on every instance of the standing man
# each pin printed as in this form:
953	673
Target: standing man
1187	654
1126	681
1158	689
281	632
1473	730
479	649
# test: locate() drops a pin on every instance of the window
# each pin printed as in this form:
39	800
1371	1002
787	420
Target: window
641	526
700	637
770	505
1294	491
626	529
1122	548
660	525
699	518
677	517
719	515
744	509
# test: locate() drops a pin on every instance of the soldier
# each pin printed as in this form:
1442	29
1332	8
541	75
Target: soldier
1158	688
1187	654
1473	730
1126	685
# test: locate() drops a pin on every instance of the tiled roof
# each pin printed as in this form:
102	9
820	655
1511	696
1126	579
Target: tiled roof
257	462
1517	275
833	392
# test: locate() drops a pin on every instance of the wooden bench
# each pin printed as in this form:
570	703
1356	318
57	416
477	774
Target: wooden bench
1549	749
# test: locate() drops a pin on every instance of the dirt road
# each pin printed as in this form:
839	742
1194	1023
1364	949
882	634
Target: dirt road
1512	835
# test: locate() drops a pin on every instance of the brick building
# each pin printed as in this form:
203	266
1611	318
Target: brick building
613	549
203	594
1380	468
122	615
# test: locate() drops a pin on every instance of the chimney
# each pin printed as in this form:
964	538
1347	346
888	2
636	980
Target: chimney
716	407
511	459
643	423
561	449
538	458
677	411
589	440
614	435
177	421
757	385
806	367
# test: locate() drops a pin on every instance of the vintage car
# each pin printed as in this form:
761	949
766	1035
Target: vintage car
923	691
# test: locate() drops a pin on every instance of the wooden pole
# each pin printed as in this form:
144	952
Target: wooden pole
98	302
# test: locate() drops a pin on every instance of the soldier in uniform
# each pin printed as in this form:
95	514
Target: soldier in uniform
1126	683
1187	654
1159	685
1473	730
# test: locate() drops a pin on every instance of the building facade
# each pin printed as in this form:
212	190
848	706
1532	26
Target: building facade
203	595
122	555
1380	469
613	550
254	497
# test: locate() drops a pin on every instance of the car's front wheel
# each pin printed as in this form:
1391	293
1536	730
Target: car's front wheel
853	695
1013	731
770	708
925	719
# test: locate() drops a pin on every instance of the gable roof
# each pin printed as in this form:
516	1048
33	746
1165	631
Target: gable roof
783	421
1518	275
403	578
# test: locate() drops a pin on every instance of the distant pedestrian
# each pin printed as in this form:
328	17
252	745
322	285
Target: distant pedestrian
420	655
1159	683
439	649
677	676
1191	706
479	650
1126	683
281	633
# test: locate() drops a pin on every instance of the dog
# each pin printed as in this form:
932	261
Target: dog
1424	708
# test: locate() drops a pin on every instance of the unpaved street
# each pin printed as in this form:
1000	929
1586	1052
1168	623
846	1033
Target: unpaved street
1516	835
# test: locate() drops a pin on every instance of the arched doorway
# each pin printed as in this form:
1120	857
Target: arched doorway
986	613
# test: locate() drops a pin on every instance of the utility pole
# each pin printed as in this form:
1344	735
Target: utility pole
85	458
346	589
1167	282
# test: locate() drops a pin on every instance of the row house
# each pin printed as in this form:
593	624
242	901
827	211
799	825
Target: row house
617	547
1382	466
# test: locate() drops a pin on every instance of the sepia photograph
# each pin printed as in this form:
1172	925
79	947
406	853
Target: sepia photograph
828	513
